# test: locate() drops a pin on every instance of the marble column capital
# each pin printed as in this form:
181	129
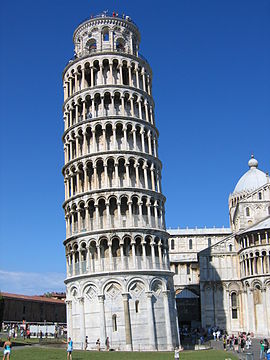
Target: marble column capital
101	297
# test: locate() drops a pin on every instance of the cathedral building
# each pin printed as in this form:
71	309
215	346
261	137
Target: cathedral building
119	284
222	276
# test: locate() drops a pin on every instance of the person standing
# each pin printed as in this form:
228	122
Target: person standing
266	347
69	348
98	344
261	350
107	343
236	344
176	353
7	349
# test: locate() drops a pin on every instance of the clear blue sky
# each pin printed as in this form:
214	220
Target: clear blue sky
211	67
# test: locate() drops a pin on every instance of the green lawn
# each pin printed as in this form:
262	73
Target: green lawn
33	353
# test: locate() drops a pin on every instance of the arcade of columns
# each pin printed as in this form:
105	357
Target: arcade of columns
114	207
254	254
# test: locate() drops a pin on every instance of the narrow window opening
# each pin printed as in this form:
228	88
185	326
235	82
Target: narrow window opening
137	306
106	35
234	305
247	212
209	242
188	269
114	322
190	245
172	244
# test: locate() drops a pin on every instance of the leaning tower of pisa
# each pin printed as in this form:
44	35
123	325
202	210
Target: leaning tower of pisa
119	283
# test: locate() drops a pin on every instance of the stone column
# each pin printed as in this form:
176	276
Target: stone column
108	214
167	319
116	175
110	257
102	319
155	147
127	174
152	178
88	254
156	215
265	310
145	175
127	321
102	106
146	111
132	106
137	77
160	255
130	213
114	136
122	256
99	257
133	254
144	253
119	213
122	105
140	107
95	176
129	75
86	180
151	326
149	143
134	139
73	262
250	299
153	255
121	74
105	176
140	203
97	216
69	319
92	77
137	174
82	322
83	79
111	72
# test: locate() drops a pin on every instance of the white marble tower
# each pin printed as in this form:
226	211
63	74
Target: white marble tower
119	283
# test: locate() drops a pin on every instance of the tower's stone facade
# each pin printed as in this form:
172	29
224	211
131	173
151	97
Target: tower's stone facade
119	283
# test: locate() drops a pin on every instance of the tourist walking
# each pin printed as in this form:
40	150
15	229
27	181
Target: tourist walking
7	349
86	343
107	343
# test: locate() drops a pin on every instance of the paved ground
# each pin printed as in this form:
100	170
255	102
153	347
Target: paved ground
254	350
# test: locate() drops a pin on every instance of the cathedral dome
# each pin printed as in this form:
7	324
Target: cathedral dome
252	179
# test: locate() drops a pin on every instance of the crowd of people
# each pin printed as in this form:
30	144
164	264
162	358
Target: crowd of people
241	342
114	14
25	330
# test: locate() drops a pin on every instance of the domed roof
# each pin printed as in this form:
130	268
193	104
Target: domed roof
252	179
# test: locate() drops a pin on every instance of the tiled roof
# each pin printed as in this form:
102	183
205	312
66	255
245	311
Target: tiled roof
32	298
